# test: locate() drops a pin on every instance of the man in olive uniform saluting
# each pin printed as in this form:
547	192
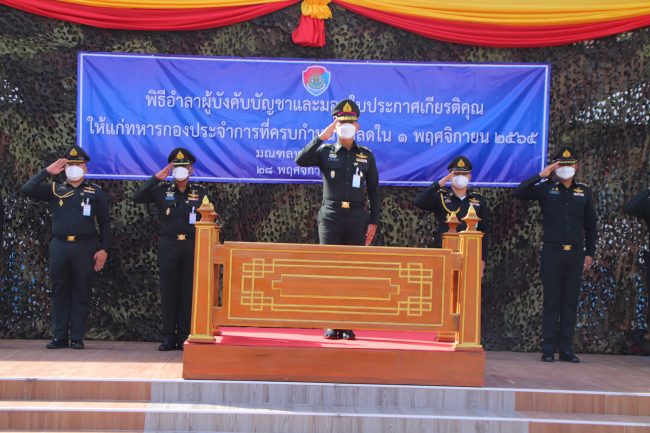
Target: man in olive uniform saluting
569	237
456	200
639	206
350	180
176	203
75	253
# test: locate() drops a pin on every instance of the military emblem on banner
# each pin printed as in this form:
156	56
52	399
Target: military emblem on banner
316	79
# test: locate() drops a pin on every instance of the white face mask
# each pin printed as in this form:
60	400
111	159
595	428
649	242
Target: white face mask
180	173
460	181
565	173
346	130
74	172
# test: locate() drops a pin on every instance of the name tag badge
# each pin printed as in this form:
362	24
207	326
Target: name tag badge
192	217
356	181
86	210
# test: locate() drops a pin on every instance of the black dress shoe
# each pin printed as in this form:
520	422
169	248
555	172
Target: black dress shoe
57	343
331	334
569	357
77	344
347	334
548	357
166	346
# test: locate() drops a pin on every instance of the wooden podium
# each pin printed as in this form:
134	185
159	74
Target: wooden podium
282	287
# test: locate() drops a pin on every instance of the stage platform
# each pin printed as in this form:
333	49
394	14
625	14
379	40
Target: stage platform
130	386
303	355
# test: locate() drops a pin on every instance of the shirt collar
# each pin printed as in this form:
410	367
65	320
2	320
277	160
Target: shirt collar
83	183
339	146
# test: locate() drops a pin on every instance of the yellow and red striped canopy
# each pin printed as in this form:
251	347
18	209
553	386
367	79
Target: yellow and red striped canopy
499	23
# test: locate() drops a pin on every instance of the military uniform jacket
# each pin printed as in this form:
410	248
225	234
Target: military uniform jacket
338	167
640	206
568	213
442	201
67	206
174	206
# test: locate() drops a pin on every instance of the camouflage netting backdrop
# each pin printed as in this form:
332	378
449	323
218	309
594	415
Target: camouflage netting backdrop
600	96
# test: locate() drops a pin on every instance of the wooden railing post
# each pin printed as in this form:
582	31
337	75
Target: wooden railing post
204	284
450	240
469	287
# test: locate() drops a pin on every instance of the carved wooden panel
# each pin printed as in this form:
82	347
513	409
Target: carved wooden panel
332	286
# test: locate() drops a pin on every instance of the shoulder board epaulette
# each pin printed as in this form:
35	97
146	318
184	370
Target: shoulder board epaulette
475	193
93	186
582	184
367	149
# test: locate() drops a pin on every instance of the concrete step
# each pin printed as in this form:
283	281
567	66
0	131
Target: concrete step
189	417
327	394
269	407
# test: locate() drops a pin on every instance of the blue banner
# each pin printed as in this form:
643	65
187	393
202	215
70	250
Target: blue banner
246	119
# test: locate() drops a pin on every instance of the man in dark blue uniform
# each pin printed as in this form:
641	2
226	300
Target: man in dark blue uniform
350	181
176	203
639	206
457	199
569	239
75	252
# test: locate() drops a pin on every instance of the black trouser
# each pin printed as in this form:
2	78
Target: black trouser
561	272
176	264
72	274
342	226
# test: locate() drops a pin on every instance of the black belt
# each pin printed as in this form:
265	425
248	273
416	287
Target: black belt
179	236
563	247
75	238
344	204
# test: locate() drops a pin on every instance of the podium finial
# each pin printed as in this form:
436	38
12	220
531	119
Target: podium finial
452	222
471	219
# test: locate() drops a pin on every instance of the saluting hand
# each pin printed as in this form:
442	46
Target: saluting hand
327	133
100	260
162	174
445	179
57	166
549	169
370	233
588	261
